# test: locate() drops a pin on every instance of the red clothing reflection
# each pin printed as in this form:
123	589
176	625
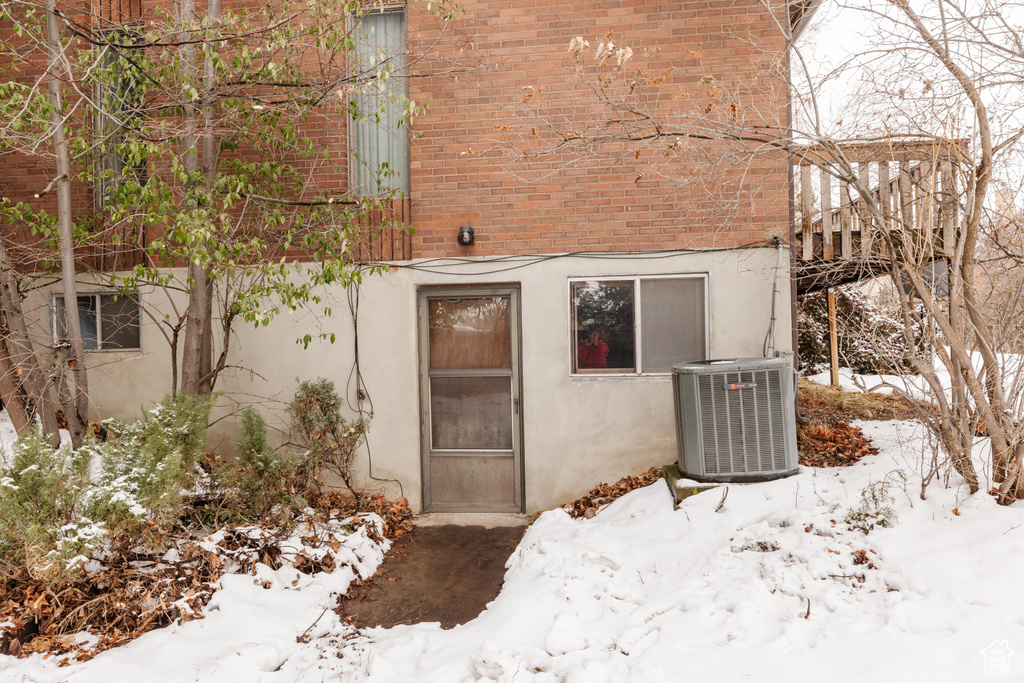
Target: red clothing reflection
592	353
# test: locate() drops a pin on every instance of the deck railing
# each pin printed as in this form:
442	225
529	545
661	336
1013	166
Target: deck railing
913	186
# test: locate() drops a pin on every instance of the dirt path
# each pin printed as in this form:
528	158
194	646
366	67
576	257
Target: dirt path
437	573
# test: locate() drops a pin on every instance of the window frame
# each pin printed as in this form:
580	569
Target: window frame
575	373
98	295
405	182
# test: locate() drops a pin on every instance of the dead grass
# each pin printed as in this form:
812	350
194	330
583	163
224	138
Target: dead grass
831	405
830	440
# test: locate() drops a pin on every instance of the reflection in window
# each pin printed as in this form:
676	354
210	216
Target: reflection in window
637	325
604	314
119	95
381	128
108	321
471	413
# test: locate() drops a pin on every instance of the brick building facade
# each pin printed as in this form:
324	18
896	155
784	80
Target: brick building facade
474	355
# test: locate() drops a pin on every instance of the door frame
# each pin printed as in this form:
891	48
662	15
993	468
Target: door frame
423	294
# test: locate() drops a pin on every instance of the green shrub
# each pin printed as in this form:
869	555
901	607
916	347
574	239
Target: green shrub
259	478
150	462
42	501
330	440
59	505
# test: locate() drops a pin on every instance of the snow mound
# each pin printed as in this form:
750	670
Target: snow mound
781	584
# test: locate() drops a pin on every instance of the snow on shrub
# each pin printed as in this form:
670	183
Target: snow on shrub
871	336
59	505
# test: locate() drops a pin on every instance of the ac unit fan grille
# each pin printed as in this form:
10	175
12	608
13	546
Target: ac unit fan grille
741	433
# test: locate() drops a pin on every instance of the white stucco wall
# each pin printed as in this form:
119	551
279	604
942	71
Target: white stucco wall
577	431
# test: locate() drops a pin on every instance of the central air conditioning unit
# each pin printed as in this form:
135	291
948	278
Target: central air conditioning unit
736	419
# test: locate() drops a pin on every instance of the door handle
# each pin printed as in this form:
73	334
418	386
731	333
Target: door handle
515	403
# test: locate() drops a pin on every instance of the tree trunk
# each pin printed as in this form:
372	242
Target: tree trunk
211	154
19	344
75	411
195	322
197	361
206	374
192	343
10	393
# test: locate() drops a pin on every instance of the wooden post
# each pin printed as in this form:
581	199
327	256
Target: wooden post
806	209
865	212
833	341
846	217
828	252
885	199
947	207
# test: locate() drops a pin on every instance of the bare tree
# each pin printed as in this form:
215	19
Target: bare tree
74	401
37	126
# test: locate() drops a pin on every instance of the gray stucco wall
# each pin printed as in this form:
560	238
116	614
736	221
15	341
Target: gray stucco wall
577	431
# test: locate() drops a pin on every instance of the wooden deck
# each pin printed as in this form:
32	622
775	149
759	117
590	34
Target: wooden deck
839	239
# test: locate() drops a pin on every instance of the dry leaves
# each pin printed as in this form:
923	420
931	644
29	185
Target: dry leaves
602	494
131	591
832	445
129	594
396	513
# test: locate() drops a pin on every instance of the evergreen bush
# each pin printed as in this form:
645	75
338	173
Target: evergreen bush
259	478
58	505
330	440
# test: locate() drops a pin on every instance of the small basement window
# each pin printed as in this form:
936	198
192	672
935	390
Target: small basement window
637	325
109	320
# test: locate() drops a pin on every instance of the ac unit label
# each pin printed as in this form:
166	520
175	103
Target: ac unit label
739	385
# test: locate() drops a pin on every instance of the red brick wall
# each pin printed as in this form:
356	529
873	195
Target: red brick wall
24	175
463	167
461	173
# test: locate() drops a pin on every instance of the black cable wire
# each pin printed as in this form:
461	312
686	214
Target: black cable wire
441	265
362	394
775	290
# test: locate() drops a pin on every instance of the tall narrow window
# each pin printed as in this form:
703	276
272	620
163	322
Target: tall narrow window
119	105
380	150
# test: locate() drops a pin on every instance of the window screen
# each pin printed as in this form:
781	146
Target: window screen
120	318
672	315
381	137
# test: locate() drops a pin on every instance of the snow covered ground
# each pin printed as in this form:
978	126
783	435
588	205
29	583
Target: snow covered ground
774	586
1012	368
